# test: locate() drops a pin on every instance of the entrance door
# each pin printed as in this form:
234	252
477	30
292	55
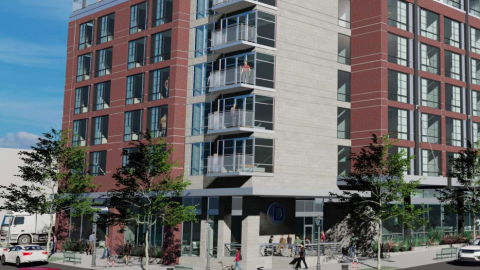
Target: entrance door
308	233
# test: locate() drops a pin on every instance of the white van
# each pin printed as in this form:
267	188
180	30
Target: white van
26	229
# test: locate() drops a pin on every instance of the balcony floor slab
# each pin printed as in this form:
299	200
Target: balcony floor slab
239	45
238	87
234	5
236	130
237	174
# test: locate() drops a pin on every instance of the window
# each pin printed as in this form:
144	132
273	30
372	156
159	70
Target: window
452	32
135	89
98	160
84	67
344	13
85	39
157	121
476	103
344	166
474	40
204	8
99	130
138	18
398	86
161	44
475	7
19	221
104	62
430	93
454	131
429	24
79	137
133	125
202	75
200	153
106	28
431	128
398	14
430	58
200	114
398	123
101	96
432	163
343	49
203	39
397	50
136	53
453	3
452	65
126	152
159	84
450	157
453	98
476	133
343	86
191	230
81	99
162	12
476	71
343	123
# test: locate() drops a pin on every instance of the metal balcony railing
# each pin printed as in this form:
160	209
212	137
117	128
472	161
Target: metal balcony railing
79	4
230	248
232	75
233	163
229	119
290	250
233	33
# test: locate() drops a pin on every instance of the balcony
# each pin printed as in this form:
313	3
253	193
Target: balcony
233	38
80	4
227	6
235	165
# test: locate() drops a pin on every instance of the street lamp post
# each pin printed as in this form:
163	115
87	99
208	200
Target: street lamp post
94	232
317	221
209	226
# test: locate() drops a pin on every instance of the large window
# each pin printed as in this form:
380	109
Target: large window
85	39
106	28
344	166
99	130
454	131
191	230
431	163
79	137
453	98
138	18
135	85
200	153
475	7
200	114
452	65
204	8
453	3
398	123
476	71
343	123
398	86
162	12
397	50
344	13
431	128
430	93
81	99
476	133
429	24
97	163
430	58
161	44
474	40
476	103
159	84
133	125
343	86
343	49
202	76
84	66
203	39
136	53
398	14
452	32
103	62
157	121
101	96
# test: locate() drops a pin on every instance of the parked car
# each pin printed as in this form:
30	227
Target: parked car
470	253
3	249
39	268
25	254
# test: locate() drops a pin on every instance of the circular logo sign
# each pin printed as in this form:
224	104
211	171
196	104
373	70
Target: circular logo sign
277	214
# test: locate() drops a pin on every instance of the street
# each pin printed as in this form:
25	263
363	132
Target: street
445	265
50	265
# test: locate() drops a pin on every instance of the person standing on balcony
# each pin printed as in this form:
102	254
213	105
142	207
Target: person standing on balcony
245	72
233	115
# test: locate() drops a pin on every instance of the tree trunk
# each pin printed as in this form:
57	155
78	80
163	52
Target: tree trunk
49	236
474	225
146	246
379	245
461	222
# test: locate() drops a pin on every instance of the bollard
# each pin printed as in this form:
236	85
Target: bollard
108	262
113	262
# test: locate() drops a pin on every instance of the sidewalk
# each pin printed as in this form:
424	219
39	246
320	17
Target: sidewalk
396	261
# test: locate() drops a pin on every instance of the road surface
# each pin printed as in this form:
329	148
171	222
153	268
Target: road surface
49	265
450	265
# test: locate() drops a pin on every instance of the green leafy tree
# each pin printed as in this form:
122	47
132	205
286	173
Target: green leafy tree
453	200
377	190
146	193
55	180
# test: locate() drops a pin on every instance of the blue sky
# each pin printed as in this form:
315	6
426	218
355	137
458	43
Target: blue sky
33	40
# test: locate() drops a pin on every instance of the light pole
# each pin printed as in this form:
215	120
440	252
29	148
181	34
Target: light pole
94	232
317	221
209	227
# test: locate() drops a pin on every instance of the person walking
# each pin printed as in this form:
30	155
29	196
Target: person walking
238	258
270	241
353	247
127	250
53	241
301	258
106	250
91	242
322	236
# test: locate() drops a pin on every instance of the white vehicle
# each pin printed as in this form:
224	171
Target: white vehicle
25	254
470	253
25	228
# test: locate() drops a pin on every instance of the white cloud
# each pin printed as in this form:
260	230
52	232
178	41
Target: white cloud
19	52
22	140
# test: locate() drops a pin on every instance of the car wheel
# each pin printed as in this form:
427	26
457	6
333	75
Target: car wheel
17	262
3	260
24	240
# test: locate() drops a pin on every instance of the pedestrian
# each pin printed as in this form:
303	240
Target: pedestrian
91	242
298	241
270	241
238	258
106	250
127	250
307	241
353	247
301	258
322	236
53	242
289	239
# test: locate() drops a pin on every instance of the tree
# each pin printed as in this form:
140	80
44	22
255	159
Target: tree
453	200
146	193
379	178
55	180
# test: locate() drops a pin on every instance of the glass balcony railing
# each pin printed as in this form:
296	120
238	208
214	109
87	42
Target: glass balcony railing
80	4
232	34
226	120
234	75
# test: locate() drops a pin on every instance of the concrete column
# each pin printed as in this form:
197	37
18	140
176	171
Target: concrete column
251	233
